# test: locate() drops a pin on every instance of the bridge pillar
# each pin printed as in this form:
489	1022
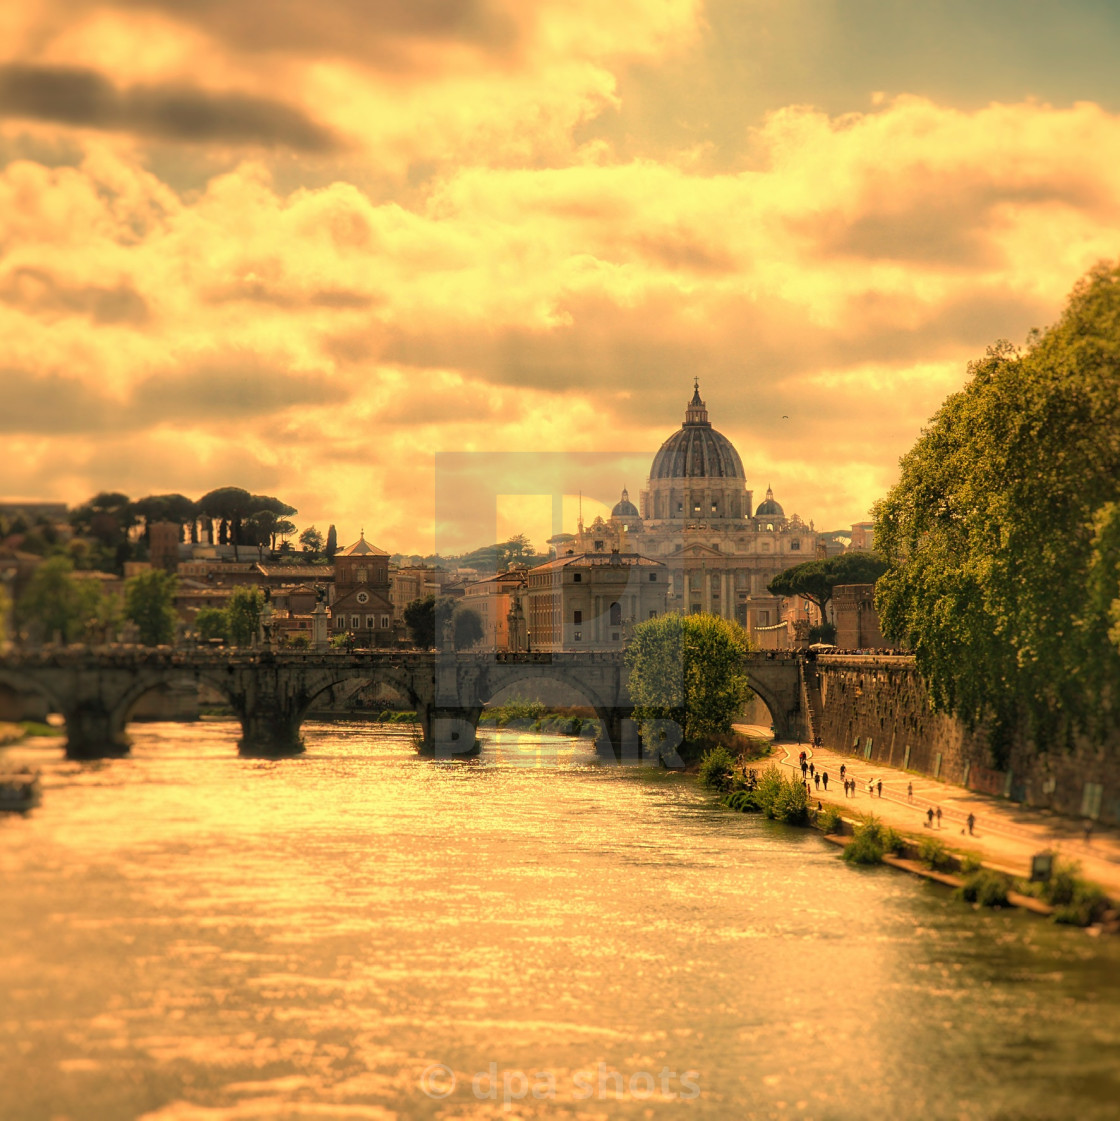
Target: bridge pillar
270	731
95	732
448	730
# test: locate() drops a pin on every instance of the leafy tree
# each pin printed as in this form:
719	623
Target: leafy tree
815	580
5	615
311	541
58	603
245	607
332	543
228	506
466	627
688	669
211	623
149	603
420	619
1002	534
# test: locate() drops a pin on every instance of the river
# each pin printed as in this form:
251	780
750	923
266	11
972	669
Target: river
362	934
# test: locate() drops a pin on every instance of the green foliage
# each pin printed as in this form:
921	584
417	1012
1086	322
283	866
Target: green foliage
1003	533
816	579
870	841
420	618
970	863
5	614
986	887
149	603
1075	902
775	796
688	669
717	768
933	854
311	541
823	632
466	627
332	543
245	607
829	820
57	603
211	623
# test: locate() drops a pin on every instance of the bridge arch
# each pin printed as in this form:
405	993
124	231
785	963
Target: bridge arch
23	684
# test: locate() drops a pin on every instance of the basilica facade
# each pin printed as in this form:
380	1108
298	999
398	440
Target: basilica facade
698	519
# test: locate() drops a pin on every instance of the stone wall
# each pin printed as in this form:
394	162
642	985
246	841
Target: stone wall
876	708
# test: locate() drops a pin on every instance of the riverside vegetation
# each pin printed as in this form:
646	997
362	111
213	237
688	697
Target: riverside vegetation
784	798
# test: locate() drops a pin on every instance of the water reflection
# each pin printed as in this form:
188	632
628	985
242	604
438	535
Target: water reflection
192	935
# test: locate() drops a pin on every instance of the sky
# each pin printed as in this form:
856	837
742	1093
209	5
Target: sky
381	257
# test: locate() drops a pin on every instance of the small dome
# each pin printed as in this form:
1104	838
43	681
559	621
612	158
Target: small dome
624	508
697	451
769	508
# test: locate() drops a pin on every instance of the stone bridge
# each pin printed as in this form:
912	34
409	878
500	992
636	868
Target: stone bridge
96	688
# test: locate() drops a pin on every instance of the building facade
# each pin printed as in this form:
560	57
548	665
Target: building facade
362	607
698	519
588	601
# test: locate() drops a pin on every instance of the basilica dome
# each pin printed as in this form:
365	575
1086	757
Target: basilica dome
624	508
769	508
697	450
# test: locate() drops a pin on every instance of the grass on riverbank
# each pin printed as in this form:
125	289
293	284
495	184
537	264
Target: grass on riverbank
535	716
771	793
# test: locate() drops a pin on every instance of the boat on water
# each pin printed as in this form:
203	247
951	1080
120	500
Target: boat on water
19	790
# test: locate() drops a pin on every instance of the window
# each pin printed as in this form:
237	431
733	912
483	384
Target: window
340	623
355	622
741	579
577	636
598	546
715	583
696	507
577	577
384	622
577	617
616	615
369	623
763	618
695	609
653	614
653	577
680	507
363	575
614	636
795	546
715	507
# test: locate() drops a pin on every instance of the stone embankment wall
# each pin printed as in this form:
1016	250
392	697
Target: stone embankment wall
876	708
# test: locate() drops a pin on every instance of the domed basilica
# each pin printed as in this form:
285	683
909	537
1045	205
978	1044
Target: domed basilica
697	518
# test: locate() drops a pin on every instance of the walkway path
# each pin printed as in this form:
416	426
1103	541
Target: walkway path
1006	833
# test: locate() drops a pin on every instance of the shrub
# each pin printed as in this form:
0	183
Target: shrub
868	843
933	854
970	864
1086	906
986	887
829	819
716	768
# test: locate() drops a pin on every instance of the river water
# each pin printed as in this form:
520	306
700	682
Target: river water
362	934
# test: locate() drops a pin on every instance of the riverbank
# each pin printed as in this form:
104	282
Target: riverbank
1068	896
16	733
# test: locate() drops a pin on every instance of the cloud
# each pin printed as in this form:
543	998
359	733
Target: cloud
82	97
38	292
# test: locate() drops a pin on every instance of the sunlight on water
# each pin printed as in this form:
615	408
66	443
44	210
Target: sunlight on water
359	933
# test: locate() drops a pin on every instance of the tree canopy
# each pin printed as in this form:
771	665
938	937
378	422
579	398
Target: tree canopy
149	603
58	603
1003	532
426	617
244	611
688	669
815	580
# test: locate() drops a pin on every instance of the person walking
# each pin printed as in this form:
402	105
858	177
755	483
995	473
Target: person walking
843	769
824	779
871	788
938	817
971	823
879	787
817	781
804	768
1088	831
929	818
909	792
